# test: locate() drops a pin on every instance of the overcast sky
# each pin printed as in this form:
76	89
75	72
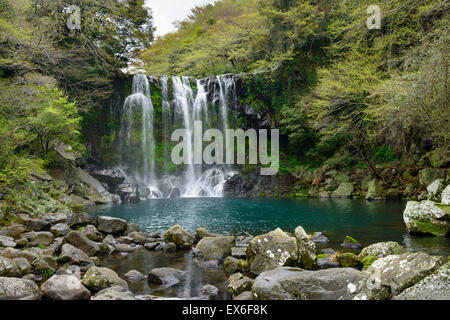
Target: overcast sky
166	12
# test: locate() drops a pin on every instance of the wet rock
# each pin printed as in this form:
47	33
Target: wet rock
131	227
344	191
351	243
325	261
214	248
80	241
244	296
78	220
91	232
306	249
109	239
400	272
175	193
427	217
165	277
65	287
115	293
375	191
122	247
179	236
319	237
7	242
60	229
433	287
138	238
167	247
239	252
18	289
134	276
272	250
8	268
128	193
43	238
71	255
14	231
97	278
370	254
233	265
328	251
331	284
23	265
349	260
238	283
203	233
210	292
109	225
112	177
153	245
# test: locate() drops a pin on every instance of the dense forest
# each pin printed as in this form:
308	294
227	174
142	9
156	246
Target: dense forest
344	96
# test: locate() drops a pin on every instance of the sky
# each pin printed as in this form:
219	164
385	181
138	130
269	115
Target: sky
166	12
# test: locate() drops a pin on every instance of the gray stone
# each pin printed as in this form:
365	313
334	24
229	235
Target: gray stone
239	252
60	229
435	190
80	241
38	224
97	278
131	227
370	254
39	238
445	197
427	217
214	248
233	265
13	231
167	247
203	233
91	232
134	276
138	238
244	296
18	289
23	265
375	191
115	293
70	254
179	236
238	283
111	225
153	245
65	287
8	268
319	237
109	239
209	291
165	277
306	249
428	175
12	253
7	242
122	247
78	220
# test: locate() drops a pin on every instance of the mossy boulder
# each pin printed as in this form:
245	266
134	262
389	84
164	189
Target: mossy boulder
179	236
306	249
428	175
344	190
238	283
233	265
214	248
375	190
435	190
370	254
427	217
349	260
97	278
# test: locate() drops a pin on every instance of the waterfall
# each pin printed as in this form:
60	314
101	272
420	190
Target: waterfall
183	101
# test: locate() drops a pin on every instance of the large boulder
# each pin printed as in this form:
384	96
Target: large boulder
400	272
375	191
13	231
8	268
65	287
428	175
110	225
128	193
7	242
78	220
115	293
18	289
165	277
427	217
91	232
97	278
434	287
331	284
370	254
60	229
445	197
307	258
272	250
80	241
179	236
203	233
238	283
112	177
12	253
71	255
43	238
214	248
344	191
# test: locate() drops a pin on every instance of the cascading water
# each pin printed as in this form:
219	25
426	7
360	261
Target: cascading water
181	107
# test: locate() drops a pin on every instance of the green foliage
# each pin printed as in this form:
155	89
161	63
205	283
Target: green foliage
385	155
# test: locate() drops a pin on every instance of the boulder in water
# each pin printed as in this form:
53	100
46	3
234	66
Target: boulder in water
179	236
370	254
128	193
165	277
214	249
110	225
97	279
427	217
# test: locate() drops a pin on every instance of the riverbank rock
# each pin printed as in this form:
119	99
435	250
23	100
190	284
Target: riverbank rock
165	277
71	255
210	292
427	217
128	193
179	236
351	243
18	289
400	272
65	287
238	283
272	250
344	191
43	238
239	252
434	287
8	268
445	197
80	241
134	276
78	220
233	265
7	242
370	254
331	284
375	191
428	175
14	231
349	260
110	225
164	247
12	253
60	229
435	190
203	233
307	258
214	249
319	237
91	232
97	278
112	177
116	293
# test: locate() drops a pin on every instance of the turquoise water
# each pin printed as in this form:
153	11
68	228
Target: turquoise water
368	222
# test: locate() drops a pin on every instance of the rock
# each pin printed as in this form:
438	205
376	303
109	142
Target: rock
22	242
44	263
91	248
331	284
445	197
349	260
244	296
70	254
243	241
18	289
13	231
128	193
306	249
91	232
134	276
138	238
122	247
7	242
11	254
71	270
8	268
112	177
433	287
153	245
125	240
165	277
400	272
319	237
111	225
109	239
131	227
43	238
238	283
179	236
167	247
214	248
30	276
375	191
233	265
38	224
427	217
239	252
65	287
428	175
203	233
175	193
97	278
272	250
60	229
325	261
351	243
78	220
379	250
435	190
116	293
209	291
344	191
23	265
393	194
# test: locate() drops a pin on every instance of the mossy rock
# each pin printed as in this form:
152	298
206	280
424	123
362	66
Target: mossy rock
349	260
